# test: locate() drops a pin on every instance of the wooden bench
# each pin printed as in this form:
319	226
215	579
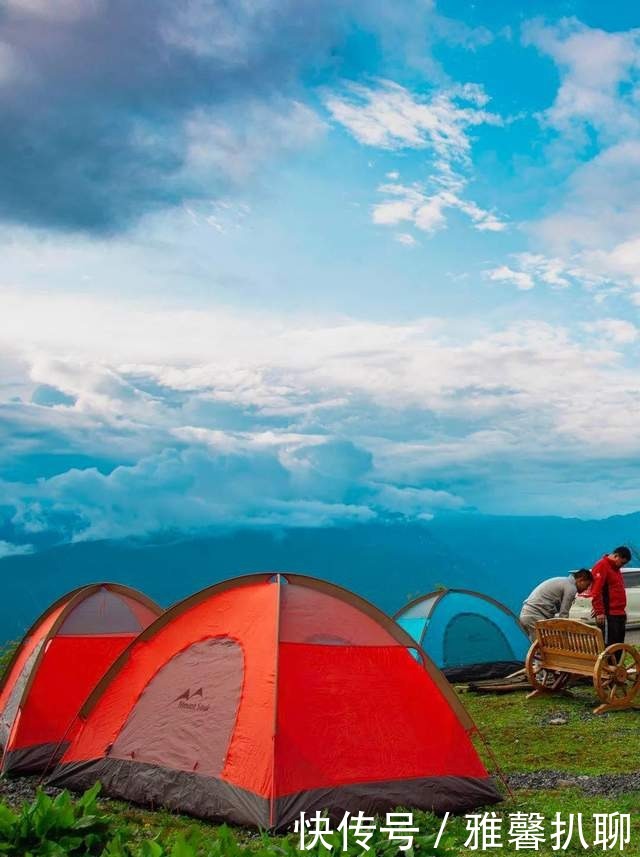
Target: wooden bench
564	647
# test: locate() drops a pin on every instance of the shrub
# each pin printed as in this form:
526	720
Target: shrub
50	827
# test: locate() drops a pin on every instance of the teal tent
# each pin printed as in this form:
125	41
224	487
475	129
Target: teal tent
467	634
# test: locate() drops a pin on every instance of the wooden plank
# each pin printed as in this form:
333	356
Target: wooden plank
568	665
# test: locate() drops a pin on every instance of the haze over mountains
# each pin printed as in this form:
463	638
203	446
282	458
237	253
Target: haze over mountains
386	563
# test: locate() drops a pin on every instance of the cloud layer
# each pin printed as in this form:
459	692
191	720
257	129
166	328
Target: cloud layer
247	421
143	106
589	234
132	402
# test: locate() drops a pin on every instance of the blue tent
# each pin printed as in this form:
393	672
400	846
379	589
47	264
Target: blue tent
467	634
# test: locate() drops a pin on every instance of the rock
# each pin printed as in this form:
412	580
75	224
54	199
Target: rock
557	721
606	785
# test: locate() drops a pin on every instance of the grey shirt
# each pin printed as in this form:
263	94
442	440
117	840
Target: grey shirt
552	597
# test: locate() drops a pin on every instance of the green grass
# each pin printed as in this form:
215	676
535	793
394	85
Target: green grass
169	828
520	738
6	653
517	730
565	802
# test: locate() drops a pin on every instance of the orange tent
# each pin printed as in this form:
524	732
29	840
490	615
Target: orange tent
267	695
58	663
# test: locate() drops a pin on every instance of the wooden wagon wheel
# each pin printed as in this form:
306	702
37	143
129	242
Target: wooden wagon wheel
617	681
541	678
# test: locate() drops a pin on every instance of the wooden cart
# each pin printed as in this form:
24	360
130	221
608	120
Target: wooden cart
563	648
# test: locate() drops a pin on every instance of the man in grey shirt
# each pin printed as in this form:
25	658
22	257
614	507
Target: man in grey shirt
553	597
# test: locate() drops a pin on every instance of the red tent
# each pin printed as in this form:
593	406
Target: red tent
58	663
271	694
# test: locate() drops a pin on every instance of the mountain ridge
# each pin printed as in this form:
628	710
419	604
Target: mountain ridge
386	563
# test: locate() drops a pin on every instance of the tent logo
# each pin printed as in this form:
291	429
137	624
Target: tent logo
189	695
186	700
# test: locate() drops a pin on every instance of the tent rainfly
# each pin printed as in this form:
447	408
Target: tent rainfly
272	694
58	663
467	634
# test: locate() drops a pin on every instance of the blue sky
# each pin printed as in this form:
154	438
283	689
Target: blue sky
273	263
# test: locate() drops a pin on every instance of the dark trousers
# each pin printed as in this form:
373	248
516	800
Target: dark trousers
614	630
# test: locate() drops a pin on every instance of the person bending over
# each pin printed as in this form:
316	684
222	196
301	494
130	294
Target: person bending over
553	597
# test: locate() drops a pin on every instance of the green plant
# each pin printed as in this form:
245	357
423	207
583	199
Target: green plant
50	827
380	844
7	651
222	842
122	846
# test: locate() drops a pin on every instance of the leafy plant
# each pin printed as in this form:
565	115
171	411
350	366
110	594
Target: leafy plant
223	843
79	828
7	651
50	827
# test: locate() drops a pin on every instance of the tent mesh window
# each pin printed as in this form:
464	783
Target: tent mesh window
313	617
471	638
104	613
186	714
422	609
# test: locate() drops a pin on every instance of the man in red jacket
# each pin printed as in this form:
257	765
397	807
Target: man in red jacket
608	595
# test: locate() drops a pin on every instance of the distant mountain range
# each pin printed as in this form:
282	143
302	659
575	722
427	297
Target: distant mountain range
386	563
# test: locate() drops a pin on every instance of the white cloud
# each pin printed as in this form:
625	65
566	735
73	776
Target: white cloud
597	70
396	211
391	117
553	272
232	419
417	502
426	211
405	238
483	221
621	263
595	233
504	274
536	269
9	549
93	350
615	330
182	490
592	236
600	208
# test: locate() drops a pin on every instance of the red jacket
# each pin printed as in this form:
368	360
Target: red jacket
608	595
